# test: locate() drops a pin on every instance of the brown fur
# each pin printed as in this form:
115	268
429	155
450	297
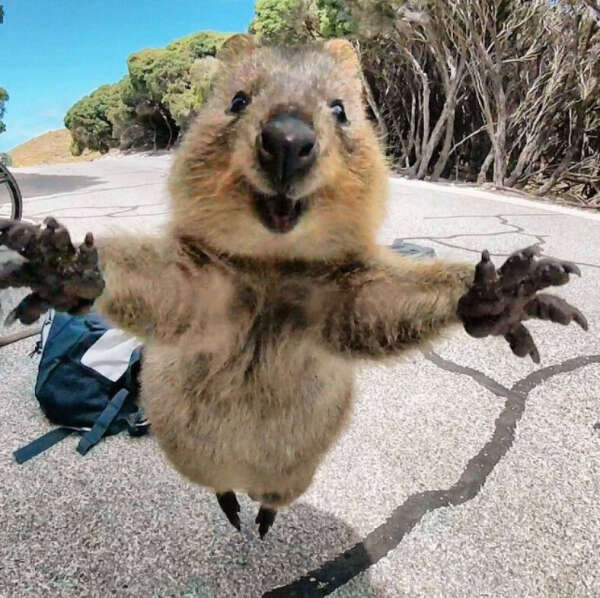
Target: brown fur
251	336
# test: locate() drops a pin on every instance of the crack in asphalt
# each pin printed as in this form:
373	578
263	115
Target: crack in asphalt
503	218
377	544
541	239
488	383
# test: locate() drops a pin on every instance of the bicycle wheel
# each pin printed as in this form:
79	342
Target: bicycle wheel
11	206
11	202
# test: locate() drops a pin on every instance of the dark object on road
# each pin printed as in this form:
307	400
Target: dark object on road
411	249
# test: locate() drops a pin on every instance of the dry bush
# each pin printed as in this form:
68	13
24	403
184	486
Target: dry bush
506	91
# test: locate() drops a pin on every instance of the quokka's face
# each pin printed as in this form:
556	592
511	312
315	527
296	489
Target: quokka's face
282	160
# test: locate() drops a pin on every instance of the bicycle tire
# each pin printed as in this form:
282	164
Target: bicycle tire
8	179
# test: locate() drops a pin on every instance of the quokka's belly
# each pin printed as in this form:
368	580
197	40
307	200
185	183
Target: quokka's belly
248	431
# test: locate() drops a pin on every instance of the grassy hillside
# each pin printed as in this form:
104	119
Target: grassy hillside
49	148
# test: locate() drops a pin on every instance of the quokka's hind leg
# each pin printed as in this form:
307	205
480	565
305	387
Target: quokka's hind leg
269	502
289	490
265	519
230	506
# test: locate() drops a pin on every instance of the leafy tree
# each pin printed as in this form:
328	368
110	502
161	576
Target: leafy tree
154	103
300	21
199	45
285	21
3	100
89	123
335	19
3	93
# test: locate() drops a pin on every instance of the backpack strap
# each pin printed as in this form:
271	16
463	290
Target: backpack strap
137	424
39	445
93	437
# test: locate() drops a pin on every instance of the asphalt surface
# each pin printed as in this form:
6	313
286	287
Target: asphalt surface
465	471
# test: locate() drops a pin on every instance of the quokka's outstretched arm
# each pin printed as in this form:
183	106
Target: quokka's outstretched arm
140	283
386	307
147	286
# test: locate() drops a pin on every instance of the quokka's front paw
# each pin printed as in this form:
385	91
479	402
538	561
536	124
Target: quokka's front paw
60	276
499	300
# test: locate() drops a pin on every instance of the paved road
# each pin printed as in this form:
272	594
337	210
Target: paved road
465	471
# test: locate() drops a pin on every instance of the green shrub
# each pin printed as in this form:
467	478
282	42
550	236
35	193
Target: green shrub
88	120
155	102
3	100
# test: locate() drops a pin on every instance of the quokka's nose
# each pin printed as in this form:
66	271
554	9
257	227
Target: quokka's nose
286	148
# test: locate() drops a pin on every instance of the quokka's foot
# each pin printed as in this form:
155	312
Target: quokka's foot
58	274
230	506
265	519
500	300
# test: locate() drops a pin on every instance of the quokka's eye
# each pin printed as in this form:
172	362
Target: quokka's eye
337	109
240	100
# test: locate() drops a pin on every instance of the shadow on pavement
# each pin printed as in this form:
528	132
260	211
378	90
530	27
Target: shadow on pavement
302	543
32	184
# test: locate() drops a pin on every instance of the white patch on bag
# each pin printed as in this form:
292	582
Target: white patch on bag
111	353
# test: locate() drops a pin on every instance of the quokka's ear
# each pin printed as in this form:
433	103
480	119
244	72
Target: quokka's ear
344	54
236	47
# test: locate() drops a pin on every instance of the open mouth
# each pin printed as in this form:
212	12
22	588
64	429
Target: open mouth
279	213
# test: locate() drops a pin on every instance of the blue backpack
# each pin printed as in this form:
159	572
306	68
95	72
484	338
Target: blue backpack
87	382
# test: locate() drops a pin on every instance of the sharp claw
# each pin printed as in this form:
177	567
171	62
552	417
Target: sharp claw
235	521
559	313
11	318
265	519
535	355
58	236
571	268
230	507
88	254
555	309
580	319
485	273
517	266
28	310
62	239
19	237
531	251
521	343
51	222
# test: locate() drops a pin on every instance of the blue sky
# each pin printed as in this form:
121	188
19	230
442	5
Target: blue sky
53	52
